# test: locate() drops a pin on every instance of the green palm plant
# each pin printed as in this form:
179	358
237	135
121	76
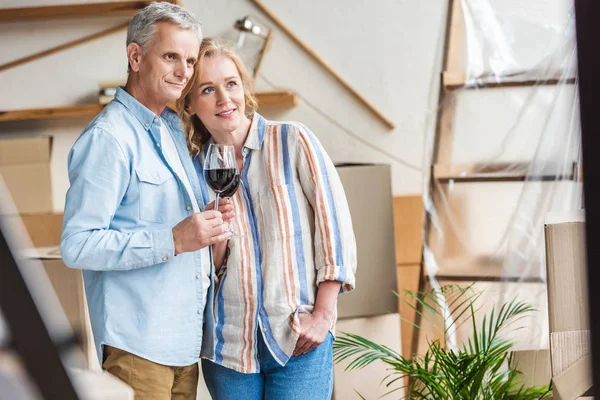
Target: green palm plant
479	370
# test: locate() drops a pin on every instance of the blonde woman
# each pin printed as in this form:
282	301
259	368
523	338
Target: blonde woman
275	304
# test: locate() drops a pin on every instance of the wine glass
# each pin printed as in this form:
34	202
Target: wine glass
221	173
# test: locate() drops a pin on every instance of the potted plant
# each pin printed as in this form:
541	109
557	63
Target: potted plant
479	370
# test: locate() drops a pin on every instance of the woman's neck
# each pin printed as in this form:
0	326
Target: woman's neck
236	138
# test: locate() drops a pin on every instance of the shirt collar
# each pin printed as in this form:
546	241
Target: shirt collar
256	135
141	112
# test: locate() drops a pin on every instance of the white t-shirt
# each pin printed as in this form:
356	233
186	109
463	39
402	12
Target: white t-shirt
170	152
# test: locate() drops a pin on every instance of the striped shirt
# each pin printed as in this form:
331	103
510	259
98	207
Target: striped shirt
298	232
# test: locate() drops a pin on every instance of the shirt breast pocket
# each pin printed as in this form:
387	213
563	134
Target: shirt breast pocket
156	187
282	213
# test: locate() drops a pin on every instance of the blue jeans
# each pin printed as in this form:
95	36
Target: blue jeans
307	377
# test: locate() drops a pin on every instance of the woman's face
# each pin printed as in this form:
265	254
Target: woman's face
218	99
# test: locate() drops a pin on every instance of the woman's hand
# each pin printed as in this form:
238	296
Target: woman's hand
225	208
314	329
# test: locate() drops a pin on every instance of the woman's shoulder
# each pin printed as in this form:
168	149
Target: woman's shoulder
290	127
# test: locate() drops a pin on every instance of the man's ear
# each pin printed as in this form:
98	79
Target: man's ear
134	56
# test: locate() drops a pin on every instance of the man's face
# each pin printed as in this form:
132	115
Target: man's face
167	64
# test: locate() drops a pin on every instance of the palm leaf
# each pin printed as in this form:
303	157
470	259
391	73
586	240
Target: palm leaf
476	371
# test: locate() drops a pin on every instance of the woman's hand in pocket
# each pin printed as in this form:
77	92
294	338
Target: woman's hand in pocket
314	330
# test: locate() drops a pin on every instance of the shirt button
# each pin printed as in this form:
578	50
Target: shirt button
199	311
188	208
134	267
165	258
157	176
157	144
147	125
198	276
264	330
155	120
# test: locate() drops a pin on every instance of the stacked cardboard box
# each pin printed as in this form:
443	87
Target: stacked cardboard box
25	171
25	168
408	224
371	310
383	330
68	286
369	193
568	304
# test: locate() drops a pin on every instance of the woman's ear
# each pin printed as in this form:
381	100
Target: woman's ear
187	108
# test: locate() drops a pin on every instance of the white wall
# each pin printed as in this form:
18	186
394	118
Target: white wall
386	49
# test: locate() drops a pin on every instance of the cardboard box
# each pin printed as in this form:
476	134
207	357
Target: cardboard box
535	366
369	193
568	304
566	271
383	330
408	279
44	230
68	286
25	169
408	224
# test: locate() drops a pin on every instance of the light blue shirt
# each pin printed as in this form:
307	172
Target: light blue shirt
123	202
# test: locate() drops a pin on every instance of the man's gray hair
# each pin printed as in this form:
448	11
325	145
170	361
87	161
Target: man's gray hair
142	27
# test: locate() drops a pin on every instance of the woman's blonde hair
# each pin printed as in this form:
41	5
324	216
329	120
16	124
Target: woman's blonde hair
195	132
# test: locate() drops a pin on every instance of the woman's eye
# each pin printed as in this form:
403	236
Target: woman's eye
231	84
208	90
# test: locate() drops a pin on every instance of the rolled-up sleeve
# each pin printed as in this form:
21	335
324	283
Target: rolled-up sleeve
99	176
334	241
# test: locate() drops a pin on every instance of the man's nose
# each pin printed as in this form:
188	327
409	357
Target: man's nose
181	70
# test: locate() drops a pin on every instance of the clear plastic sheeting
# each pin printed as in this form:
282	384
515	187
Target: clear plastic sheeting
503	44
506	153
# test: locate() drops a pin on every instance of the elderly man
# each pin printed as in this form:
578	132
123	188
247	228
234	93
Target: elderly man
132	218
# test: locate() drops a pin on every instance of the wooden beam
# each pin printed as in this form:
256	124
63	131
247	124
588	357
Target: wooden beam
323	63
455	44
453	81
83	110
121	8
478	268
496	172
278	97
62	47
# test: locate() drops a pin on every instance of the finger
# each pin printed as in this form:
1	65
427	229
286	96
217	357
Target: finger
210	224
228	216
210	206
314	346
306	347
301	341
217	230
225	208
210	214
220	238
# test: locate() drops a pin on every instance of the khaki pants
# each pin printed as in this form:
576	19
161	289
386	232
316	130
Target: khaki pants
149	380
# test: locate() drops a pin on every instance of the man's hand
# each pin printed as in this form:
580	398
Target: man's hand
199	230
314	329
225	208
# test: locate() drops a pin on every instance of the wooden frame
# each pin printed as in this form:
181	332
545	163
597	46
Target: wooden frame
266	98
443	171
107	9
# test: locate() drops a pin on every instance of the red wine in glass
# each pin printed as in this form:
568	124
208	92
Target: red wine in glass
220	170
220	179
233	187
